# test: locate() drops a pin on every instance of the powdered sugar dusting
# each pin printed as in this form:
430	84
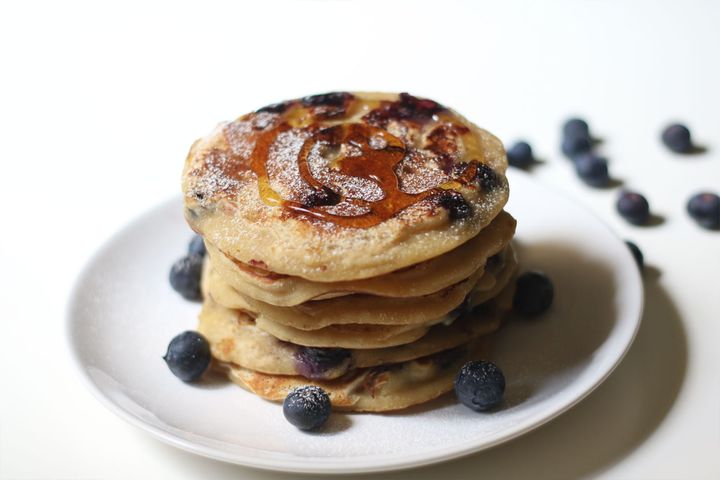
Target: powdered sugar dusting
211	178
419	172
309	398
239	139
282	167
351	187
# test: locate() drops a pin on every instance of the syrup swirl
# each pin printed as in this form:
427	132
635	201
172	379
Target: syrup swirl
364	151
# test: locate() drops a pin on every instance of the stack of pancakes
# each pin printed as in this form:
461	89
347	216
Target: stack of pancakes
356	242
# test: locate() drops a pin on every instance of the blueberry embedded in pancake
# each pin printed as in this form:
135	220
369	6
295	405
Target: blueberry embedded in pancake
375	389
236	338
405	108
344	186
312	362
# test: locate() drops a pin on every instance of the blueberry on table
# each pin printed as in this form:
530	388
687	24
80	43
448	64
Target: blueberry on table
633	207
188	356
534	293
307	407
185	277
635	250
520	155
575	145
575	127
677	138
704	208
197	246
592	169
480	385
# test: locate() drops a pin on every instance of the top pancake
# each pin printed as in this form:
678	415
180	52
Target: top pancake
344	186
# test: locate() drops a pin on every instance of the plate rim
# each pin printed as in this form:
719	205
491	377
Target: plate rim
336	465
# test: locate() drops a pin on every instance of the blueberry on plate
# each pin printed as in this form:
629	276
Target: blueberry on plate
197	246
520	155
576	145
704	208
188	356
633	207
307	407
575	127
677	138
592	169
185	277
480	385
635	250
534	293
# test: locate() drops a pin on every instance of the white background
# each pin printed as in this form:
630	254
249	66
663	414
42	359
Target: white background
100	102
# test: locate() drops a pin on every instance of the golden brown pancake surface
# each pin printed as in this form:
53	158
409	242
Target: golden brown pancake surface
344	186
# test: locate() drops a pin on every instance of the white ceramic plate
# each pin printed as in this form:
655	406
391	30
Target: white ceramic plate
123	314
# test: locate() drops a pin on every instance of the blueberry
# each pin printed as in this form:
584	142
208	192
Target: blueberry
705	209
197	246
331	98
576	127
575	145
185	277
635	250
458	208
321	197
520	155
487	177
677	138
592	169
633	207
480	385
313	362
461	309
307	407
274	108
188	356
534	293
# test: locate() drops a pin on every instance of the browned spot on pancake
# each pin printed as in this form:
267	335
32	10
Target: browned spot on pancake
443	141
217	175
256	268
374	380
226	346
259	264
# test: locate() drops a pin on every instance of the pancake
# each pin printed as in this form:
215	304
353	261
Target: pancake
234	338
357	336
376	389
353	309
420	279
352	335
347	336
503	277
342	186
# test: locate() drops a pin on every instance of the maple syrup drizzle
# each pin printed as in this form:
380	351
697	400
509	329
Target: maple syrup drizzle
259	157
374	164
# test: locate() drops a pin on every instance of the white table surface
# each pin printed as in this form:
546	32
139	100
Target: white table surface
99	104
